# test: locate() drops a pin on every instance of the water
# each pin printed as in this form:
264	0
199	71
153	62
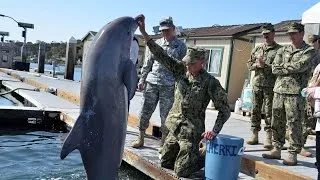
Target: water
34	153
61	68
4	101
8	100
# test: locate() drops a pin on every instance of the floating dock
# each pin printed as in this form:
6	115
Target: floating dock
53	95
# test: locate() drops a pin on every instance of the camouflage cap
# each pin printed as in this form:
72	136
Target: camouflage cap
312	38
194	54
267	28
295	27
166	23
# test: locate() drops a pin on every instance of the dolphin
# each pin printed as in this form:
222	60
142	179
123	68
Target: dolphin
108	84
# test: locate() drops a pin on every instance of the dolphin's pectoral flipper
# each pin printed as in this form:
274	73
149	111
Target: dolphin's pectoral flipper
73	140
130	78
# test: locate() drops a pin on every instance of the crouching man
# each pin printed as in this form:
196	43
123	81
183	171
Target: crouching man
186	120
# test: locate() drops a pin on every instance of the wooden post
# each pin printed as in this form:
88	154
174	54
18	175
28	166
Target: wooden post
24	48
70	58
54	64
41	57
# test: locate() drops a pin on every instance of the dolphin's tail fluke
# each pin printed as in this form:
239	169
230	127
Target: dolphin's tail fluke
73	140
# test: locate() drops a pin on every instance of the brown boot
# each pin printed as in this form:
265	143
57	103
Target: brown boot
267	140
291	160
304	152
273	154
140	141
254	138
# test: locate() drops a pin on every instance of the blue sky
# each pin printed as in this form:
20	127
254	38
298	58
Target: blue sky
58	20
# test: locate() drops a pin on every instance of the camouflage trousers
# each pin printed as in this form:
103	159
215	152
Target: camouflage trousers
309	122
152	95
286	111
180	152
260	95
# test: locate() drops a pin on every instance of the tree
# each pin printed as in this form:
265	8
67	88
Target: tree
54	49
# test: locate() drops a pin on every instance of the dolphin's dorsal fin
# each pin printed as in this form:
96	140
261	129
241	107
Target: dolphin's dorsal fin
73	140
130	78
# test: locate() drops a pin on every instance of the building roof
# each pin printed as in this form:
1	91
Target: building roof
279	27
217	30
92	33
220	30
138	36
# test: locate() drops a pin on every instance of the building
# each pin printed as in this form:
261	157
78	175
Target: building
6	55
229	47
86	40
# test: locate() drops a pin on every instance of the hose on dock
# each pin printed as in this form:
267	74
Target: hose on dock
8	92
8	80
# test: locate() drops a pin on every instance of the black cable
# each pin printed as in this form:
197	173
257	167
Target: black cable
8	92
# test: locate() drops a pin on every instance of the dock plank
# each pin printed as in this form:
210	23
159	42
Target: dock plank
44	101
68	85
40	99
274	168
146	160
236	125
19	115
5	77
67	89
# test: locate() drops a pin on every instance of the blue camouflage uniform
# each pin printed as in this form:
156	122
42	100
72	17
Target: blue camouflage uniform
159	83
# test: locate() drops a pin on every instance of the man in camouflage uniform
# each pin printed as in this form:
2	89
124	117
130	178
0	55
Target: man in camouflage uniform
260	62
186	120
291	66
158	82
309	122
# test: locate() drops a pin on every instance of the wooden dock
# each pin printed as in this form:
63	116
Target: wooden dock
64	96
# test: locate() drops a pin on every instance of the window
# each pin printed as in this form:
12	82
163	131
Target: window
5	55
214	62
4	58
